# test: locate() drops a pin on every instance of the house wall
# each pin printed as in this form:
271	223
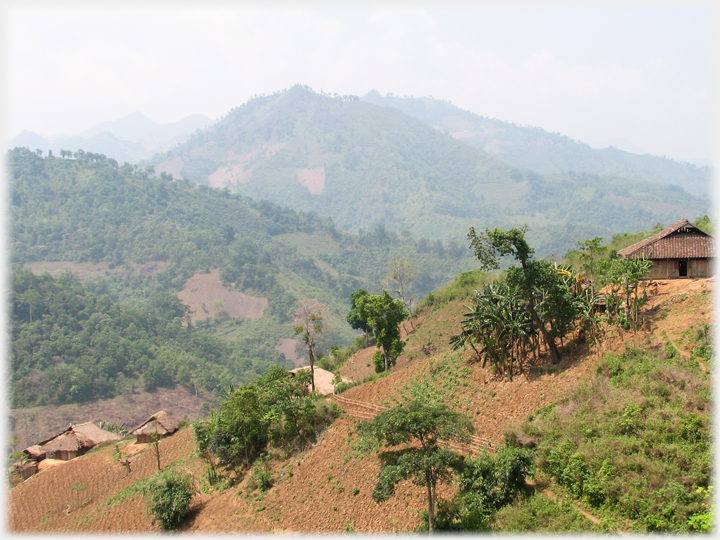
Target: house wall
700	268
664	269
670	269
149	437
27	470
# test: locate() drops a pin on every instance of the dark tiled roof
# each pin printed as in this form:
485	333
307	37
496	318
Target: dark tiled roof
681	240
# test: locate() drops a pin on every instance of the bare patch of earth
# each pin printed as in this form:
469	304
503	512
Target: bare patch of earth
208	297
172	166
288	347
465	134
84	270
323	380
232	174
313	179
39	423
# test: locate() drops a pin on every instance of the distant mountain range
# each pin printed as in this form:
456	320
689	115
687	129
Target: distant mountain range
419	164
129	139
362	164
543	152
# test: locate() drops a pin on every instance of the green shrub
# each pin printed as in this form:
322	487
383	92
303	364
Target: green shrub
538	514
261	477
634	443
169	498
485	484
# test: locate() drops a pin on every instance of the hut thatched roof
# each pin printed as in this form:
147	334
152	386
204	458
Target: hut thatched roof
79	436
166	424
35	451
681	240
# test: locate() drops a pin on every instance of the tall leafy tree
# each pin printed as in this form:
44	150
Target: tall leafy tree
355	318
384	315
425	461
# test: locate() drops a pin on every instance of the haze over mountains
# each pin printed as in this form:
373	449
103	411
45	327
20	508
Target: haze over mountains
416	164
132	138
543	152
363	164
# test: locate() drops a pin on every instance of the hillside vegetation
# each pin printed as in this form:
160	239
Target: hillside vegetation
138	239
619	431
362	164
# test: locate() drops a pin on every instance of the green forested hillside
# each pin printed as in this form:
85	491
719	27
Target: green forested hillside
90	210
69	345
543	152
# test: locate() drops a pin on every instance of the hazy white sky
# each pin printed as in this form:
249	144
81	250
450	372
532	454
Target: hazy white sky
642	73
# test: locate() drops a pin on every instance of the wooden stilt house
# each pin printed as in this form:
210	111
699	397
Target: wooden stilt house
682	250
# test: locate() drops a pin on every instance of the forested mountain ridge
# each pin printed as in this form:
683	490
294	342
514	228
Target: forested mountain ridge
362	164
88	210
543	152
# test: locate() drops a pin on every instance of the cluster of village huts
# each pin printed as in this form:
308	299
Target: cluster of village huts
80	438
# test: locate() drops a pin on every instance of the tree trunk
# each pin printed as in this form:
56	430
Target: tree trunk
431	506
157	446
312	368
534	316
546	335
387	364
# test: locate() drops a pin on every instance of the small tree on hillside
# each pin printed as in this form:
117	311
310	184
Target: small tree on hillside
591	251
308	323
624	299
355	318
384	315
491	245
428	464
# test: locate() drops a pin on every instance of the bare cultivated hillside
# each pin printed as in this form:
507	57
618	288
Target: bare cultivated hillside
327	488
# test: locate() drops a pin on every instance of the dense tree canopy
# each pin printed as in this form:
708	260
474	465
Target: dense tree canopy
383	315
428	464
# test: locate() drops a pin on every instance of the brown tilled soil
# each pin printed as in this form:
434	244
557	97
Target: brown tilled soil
77	496
39	423
327	488
288	347
207	297
84	270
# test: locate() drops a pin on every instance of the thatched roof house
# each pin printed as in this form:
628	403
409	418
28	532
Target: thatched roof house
680	251
160	422
76	440
35	452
